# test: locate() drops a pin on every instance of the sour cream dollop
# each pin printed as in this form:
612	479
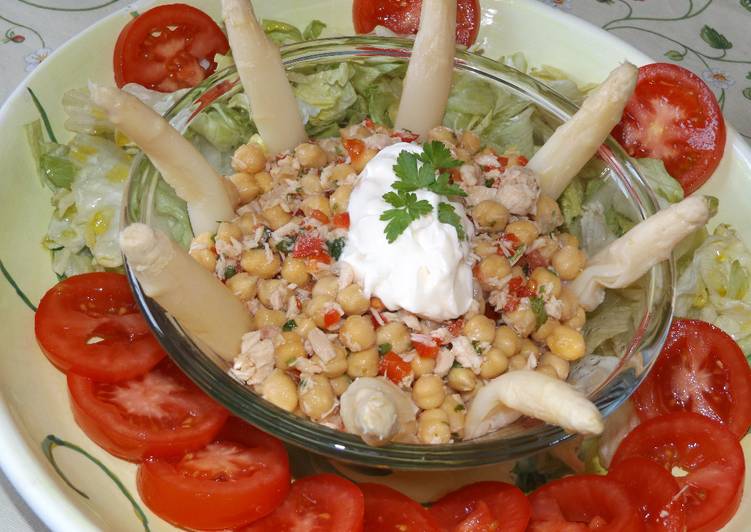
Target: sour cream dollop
427	270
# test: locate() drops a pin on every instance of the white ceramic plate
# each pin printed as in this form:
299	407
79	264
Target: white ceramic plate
34	397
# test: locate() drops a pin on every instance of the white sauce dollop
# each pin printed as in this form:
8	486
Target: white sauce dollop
427	270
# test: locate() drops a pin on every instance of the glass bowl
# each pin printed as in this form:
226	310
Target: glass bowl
607	388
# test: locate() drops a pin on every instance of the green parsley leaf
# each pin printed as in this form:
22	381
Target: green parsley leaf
459	408
383	349
394	199
443	187
229	272
513	259
437	154
289	325
336	246
537	304
286	245
399	218
410	176
447	215
456	364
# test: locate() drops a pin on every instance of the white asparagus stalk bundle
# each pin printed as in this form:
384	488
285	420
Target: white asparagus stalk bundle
259	64
431	67
179	162
577	141
644	245
532	394
198	300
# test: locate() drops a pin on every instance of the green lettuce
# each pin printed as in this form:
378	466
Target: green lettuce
55	168
225	125
283	33
664	185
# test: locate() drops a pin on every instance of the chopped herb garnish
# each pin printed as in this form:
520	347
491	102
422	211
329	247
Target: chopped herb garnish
447	215
229	272
383	349
266	235
537	304
456	364
513	259
407	208
286	245
291	360
489	182
477	347
336	246
459	408
289	325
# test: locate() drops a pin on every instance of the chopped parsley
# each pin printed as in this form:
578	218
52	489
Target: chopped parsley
456	364
537	304
266	235
289	325
383	349
286	245
229	272
477	347
335	247
489	183
513	259
427	175
459	408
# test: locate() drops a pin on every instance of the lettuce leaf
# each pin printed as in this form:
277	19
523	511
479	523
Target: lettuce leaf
664	185
283	33
225	126
328	91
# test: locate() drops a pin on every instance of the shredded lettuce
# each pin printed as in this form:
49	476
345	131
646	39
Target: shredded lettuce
664	185
283	33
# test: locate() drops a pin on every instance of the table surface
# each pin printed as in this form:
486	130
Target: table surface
709	37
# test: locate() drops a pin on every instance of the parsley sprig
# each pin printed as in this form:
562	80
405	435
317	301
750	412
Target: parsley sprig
421	171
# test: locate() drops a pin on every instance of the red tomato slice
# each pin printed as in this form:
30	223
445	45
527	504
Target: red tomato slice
167	48
706	450
161	413
655	493
509	508
90	325
584	500
700	369
240	477
394	367
403	17
675	117
321	503
387	510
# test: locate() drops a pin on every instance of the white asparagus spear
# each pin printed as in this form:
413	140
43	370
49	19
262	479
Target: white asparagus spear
179	162
536	395
198	300
644	245
428	80
576	141
259	64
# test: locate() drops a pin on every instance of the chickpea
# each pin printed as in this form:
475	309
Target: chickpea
492	269
243	285
470	142
422	366
289	350
462	155
569	262
255	262
566	343
396	335
249	158
461	379
280	390
569	304
341	171
352	300
560	366
546	246
335	367
276	216
483	248
506	340
294	271
494	363
315	202
433	427
442	134
316	397
248	223
577	322
316	309
265	181
455	411
547	214
544	330
490	215
479	328
266	292
265	316
528	348
326	286
359	162
355	131
228	231
339	200
522	321
202	251
246	186
546	281
517	362
340	384
311	184
427	391
310	155
363	363
304	326
232	194
524	230
357	333
547	370
567	239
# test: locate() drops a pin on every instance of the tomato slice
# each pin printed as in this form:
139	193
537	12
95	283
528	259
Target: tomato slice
161	413
509	508
403	17
240	477
167	48
709	453
90	325
700	369
675	117
387	510
590	501
321	503
655	493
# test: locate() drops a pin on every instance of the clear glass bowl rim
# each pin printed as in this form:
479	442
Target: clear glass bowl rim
198	365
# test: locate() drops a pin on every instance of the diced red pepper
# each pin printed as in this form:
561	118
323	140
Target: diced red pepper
512	303
354	147
308	246
503	161
341	220
534	259
456	326
405	136
456	175
394	367
331	318
426	350
368	123
320	216
491	312
511	241
521	160
321	257
517	287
